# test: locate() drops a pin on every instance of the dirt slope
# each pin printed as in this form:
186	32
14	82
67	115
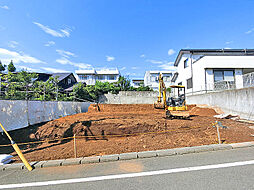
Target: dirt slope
126	119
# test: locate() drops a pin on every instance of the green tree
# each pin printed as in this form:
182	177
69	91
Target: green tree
11	67
2	68
48	90
80	92
18	85
123	83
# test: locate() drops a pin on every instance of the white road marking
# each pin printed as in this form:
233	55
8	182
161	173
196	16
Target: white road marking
129	175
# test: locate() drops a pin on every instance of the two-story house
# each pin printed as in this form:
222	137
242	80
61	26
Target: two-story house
151	79
137	83
203	70
65	80
91	76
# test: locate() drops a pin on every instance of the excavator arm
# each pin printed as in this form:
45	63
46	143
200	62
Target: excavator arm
161	103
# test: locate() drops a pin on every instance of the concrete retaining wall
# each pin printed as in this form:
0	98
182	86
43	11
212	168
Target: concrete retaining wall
239	101
16	114
130	97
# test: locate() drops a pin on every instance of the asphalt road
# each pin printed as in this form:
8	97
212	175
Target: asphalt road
227	169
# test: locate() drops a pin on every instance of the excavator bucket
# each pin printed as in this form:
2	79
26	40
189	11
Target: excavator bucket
159	105
177	115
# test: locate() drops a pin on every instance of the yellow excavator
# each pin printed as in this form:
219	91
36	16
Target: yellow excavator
175	106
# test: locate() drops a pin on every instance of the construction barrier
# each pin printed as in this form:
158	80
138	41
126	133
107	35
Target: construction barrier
33	112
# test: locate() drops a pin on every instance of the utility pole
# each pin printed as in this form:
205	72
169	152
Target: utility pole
56	92
0	85
44	91
26	92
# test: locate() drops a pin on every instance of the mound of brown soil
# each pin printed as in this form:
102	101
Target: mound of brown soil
119	108
139	120
202	111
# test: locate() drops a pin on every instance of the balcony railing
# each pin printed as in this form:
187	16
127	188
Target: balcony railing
224	85
248	80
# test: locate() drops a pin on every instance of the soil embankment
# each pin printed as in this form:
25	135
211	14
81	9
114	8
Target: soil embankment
141	122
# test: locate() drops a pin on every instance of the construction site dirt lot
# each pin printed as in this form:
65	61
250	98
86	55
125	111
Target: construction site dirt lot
140	128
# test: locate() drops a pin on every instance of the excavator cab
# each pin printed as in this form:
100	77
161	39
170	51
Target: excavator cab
177	102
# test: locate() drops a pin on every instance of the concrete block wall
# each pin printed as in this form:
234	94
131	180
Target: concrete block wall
239	101
130	97
16	114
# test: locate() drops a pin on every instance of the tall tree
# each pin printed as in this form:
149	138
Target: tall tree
11	67
2	68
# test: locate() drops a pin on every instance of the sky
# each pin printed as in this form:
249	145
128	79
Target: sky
133	36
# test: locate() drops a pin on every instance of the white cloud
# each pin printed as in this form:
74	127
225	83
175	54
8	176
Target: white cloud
54	70
66	32
123	68
13	44
171	52
249	31
143	55
134	68
65	61
64	53
110	58
6	57
4	7
50	43
154	61
167	66
62	33
229	42
28	68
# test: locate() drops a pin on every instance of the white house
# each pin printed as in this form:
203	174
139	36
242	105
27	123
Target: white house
151	78
203	70
137	82
91	76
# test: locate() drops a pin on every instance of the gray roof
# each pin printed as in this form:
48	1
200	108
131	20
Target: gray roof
61	75
239	52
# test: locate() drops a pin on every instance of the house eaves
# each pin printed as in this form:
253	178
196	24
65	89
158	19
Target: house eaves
210	52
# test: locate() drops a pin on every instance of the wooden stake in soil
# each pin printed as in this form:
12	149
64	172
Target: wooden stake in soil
218	132
74	146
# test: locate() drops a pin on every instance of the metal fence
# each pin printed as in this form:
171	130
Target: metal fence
214	87
248	80
224	85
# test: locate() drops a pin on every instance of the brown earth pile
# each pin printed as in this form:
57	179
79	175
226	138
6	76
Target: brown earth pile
202	111
122	120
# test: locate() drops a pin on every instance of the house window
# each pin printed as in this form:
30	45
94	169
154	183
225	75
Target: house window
221	75
167	78
180	83
83	77
101	77
111	77
189	83
69	81
186	63
229	75
153	79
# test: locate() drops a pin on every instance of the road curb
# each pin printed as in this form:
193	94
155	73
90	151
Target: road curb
128	156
